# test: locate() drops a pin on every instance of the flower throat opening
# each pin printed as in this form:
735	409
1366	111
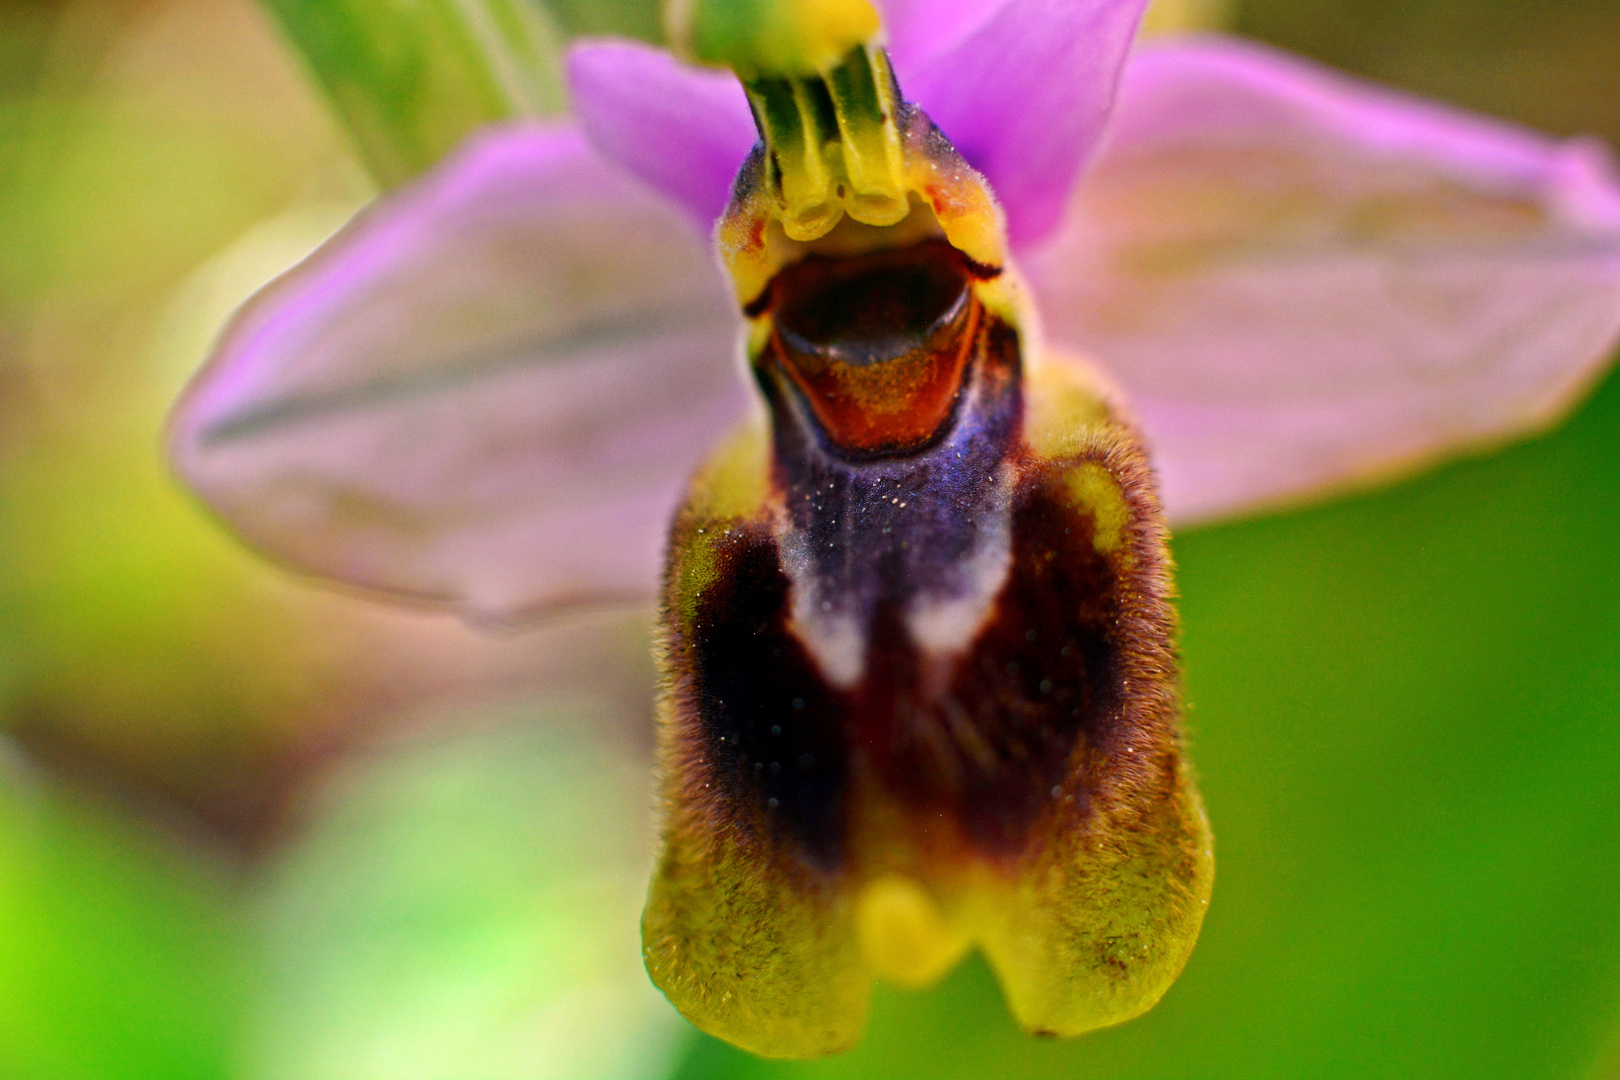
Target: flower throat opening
866	254
877	344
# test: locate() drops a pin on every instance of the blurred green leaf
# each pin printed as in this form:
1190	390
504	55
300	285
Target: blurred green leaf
1184	16
627	18
138	644
467	908
412	78
1546	63
125	162
121	956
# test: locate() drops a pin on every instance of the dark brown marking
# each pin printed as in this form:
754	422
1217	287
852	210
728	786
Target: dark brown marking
986	747
983	271
1040	677
1043	675
770	724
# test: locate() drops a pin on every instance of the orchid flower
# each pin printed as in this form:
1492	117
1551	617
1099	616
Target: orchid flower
491	391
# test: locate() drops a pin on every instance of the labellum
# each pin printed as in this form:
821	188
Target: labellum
921	690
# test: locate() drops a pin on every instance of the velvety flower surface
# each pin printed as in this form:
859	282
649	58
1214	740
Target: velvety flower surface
491	389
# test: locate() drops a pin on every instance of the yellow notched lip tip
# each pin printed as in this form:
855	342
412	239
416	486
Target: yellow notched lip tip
904	936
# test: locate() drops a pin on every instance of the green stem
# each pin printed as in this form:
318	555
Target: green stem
412	78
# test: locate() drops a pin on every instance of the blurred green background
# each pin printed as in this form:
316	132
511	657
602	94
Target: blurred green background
251	828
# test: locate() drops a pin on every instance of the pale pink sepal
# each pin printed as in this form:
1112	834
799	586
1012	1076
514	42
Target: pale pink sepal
1305	283
1026	97
682	129
488	390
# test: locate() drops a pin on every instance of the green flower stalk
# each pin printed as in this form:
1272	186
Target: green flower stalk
760	38
410	80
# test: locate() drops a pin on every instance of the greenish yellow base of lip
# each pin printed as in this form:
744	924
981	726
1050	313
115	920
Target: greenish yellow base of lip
1099	929
1091	932
747	946
730	488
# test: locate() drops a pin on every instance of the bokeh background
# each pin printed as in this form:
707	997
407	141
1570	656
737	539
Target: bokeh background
254	828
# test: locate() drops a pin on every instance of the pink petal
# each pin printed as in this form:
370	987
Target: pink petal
1305	282
488	390
918	30
682	129
1025	98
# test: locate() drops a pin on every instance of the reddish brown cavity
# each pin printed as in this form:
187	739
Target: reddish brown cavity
877	343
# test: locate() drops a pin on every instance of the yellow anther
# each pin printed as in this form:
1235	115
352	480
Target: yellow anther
847	165
832	144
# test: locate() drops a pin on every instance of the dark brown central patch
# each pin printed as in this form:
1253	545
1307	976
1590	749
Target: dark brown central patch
987	746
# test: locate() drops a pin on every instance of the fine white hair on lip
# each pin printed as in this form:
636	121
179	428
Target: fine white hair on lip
835	636
945	625
941	626
836	641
